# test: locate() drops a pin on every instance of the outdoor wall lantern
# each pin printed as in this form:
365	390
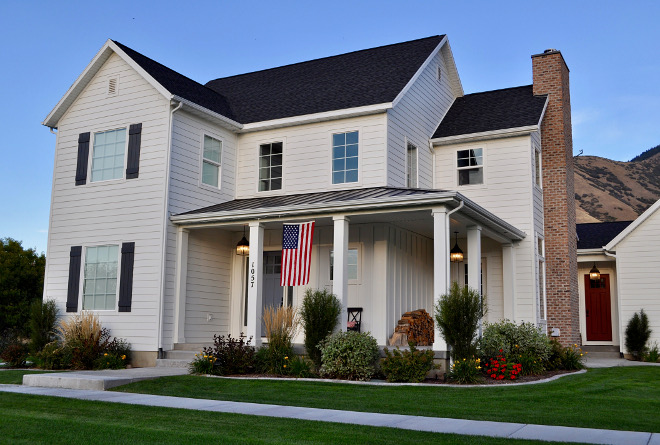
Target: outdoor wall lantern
594	273
243	246
456	254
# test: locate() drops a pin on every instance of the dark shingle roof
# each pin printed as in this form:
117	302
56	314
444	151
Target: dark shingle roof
360	78
492	110
180	85
335	196
597	235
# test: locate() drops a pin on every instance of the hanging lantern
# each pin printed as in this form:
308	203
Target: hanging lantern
243	246
456	254
594	273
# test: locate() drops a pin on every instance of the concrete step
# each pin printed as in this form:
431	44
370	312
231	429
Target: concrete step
600	348
195	347
172	363
181	355
97	380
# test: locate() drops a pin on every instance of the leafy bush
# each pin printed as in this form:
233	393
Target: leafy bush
282	324
231	355
349	355
511	340
202	364
299	367
54	356
110	361
408	365
652	354
637	334
572	358
531	364
43	315
457	315
320	313
15	354
498	368
465	371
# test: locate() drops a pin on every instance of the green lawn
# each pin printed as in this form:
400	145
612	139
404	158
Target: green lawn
15	376
612	398
48	420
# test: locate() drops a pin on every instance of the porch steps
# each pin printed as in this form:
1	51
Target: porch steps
602	351
181	355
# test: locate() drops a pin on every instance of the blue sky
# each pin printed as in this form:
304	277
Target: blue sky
612	50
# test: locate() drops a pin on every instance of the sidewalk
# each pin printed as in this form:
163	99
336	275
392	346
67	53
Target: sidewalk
418	423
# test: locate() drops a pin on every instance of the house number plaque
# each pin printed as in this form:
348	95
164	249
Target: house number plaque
252	275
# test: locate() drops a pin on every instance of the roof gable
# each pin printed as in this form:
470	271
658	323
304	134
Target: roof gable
597	235
636	223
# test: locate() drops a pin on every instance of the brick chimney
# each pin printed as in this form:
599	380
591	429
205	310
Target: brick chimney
551	77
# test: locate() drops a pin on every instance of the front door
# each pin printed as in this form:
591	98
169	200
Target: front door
273	294
598	308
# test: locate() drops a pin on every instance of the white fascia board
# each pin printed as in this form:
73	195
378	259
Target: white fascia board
545	107
419	71
636	223
458	90
316	117
485	135
223	121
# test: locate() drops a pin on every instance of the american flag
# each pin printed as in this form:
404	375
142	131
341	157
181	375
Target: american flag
296	253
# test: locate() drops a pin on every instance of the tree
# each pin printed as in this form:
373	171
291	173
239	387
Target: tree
21	282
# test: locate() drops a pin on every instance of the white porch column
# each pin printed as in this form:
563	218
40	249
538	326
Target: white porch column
340	265
180	285
474	257
509	281
255	282
440	265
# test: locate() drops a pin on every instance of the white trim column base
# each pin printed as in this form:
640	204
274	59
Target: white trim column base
255	282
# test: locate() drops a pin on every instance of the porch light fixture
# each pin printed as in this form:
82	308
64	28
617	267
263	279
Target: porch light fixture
456	254
594	273
243	246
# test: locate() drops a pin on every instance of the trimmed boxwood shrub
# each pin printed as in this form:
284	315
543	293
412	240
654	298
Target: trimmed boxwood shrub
638	334
349	355
319	314
457	314
515	340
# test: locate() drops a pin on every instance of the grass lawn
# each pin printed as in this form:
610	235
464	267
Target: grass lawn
15	376
48	420
612	398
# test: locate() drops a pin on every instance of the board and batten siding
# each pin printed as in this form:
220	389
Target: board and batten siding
115	211
637	263
307	156
414	119
507	192
186	192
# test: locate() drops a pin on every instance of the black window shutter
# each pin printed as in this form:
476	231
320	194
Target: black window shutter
126	278
74	279
134	139
83	158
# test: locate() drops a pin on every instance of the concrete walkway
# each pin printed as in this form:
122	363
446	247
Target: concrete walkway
418	423
98	380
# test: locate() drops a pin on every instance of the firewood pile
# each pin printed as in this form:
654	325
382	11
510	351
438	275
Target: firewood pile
415	326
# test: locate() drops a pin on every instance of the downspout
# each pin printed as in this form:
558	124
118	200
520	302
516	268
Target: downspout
433	165
164	231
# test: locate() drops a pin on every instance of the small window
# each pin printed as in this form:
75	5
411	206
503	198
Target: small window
270	166
352	264
100	278
108	155
470	164
537	166
211	161
345	157
411	166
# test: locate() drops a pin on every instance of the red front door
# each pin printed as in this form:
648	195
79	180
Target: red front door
598	308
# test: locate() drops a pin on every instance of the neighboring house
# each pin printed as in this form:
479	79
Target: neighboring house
158	177
626	255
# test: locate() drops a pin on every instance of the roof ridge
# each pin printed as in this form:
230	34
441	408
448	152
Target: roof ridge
502	89
440	36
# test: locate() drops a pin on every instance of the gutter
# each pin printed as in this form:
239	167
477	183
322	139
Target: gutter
495	134
225	121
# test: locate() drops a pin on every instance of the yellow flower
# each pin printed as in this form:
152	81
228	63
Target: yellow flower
105	355
516	346
463	359
575	344
478	360
286	358
123	357
478	367
581	355
285	366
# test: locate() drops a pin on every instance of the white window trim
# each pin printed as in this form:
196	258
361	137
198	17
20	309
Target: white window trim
540	264
81	286
351	246
407	141
201	161
90	155
483	166
538	179
330	156
284	159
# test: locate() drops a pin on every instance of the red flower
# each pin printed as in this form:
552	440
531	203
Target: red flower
513	377
501	350
492	376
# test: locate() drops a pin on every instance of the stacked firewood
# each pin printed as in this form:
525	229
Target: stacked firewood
415	326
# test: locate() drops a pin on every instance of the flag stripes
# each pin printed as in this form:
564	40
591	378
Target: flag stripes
296	253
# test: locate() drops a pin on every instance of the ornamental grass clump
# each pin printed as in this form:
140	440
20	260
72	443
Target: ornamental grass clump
409	366
349	355
457	314
638	333
465	371
282	325
319	314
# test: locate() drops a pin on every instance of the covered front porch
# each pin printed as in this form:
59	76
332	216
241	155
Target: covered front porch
384	250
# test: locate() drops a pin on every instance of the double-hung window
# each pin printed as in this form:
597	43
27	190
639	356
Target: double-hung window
537	167
100	277
345	157
211	162
270	166
470	165
352	264
108	155
411	165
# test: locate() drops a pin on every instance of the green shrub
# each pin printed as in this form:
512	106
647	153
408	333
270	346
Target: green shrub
530	364
320	314
281	324
457	314
43	315
513	340
349	355
54	356
202	364
652	354
465	371
15	354
110	360
637	334
232	355
408	365
572	358
554	360
299	367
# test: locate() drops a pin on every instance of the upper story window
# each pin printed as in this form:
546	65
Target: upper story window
537	166
211	161
100	277
108	155
270	166
411	165
470	164
345	157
